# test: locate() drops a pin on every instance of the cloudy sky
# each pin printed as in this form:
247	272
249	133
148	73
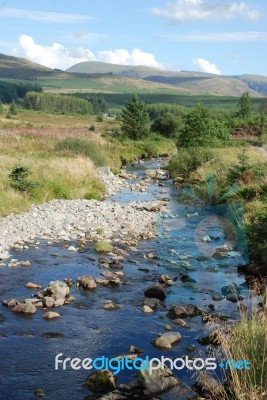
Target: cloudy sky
219	36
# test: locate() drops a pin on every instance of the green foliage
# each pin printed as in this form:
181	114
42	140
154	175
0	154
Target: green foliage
201	129
1	107
99	118
167	125
257	237
12	91
103	247
92	128
188	160
13	108
245	106
99	105
56	103
135	121
244	171
19	179
84	147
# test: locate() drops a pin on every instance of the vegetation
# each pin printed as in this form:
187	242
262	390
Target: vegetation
188	160
12	91
57	103
247	341
245	106
19	179
167	125
103	247
135	122
200	129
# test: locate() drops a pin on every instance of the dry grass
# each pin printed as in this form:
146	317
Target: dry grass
248	341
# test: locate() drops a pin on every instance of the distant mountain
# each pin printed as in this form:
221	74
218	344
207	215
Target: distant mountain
95	76
20	68
196	82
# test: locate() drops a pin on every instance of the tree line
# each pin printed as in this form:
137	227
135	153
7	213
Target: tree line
56	103
10	91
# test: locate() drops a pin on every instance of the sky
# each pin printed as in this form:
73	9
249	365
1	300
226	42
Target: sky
226	37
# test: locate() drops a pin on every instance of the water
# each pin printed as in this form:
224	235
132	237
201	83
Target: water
27	358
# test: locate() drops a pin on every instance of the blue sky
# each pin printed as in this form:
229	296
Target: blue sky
220	36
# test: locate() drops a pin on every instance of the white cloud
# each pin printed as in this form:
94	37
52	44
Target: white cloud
54	56
206	66
219	37
43	16
204	10
58	56
124	57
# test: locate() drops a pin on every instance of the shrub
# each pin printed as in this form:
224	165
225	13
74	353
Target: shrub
188	160
99	118
257	236
103	247
244	171
19	179
167	125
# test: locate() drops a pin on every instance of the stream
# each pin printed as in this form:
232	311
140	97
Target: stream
27	357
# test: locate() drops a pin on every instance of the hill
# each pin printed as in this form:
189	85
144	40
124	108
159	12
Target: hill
194	82
95	76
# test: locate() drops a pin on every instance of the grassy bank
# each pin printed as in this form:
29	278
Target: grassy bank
61	154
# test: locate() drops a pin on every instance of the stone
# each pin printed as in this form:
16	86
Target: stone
147	310
217	297
231	289
87	282
25	263
59	302
180	322
156	291
18	308
152	303
31	285
206	239
110	305
10	302
50	315
58	288
164	278
166	340
28	308
101	381
72	248
159	381
181	310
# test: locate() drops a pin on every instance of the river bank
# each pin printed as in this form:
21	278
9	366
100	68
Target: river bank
170	267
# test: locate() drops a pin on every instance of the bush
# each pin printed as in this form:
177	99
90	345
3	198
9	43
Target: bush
244	171
167	125
200	129
99	118
257	237
19	179
188	160
103	247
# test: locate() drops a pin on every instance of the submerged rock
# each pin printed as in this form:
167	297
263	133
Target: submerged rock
87	282
158	382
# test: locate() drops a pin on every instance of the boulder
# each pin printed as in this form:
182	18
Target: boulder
48	301
152	303
101	381
166	340
58	288
182	310
156	291
87	282
157	382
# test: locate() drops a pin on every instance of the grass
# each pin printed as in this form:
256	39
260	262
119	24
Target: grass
62	154
248	341
103	247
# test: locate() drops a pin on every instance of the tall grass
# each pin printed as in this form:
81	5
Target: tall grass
248	341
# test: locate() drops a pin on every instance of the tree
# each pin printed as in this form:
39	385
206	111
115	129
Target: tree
135	122
245	106
167	125
13	108
198	129
1	107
